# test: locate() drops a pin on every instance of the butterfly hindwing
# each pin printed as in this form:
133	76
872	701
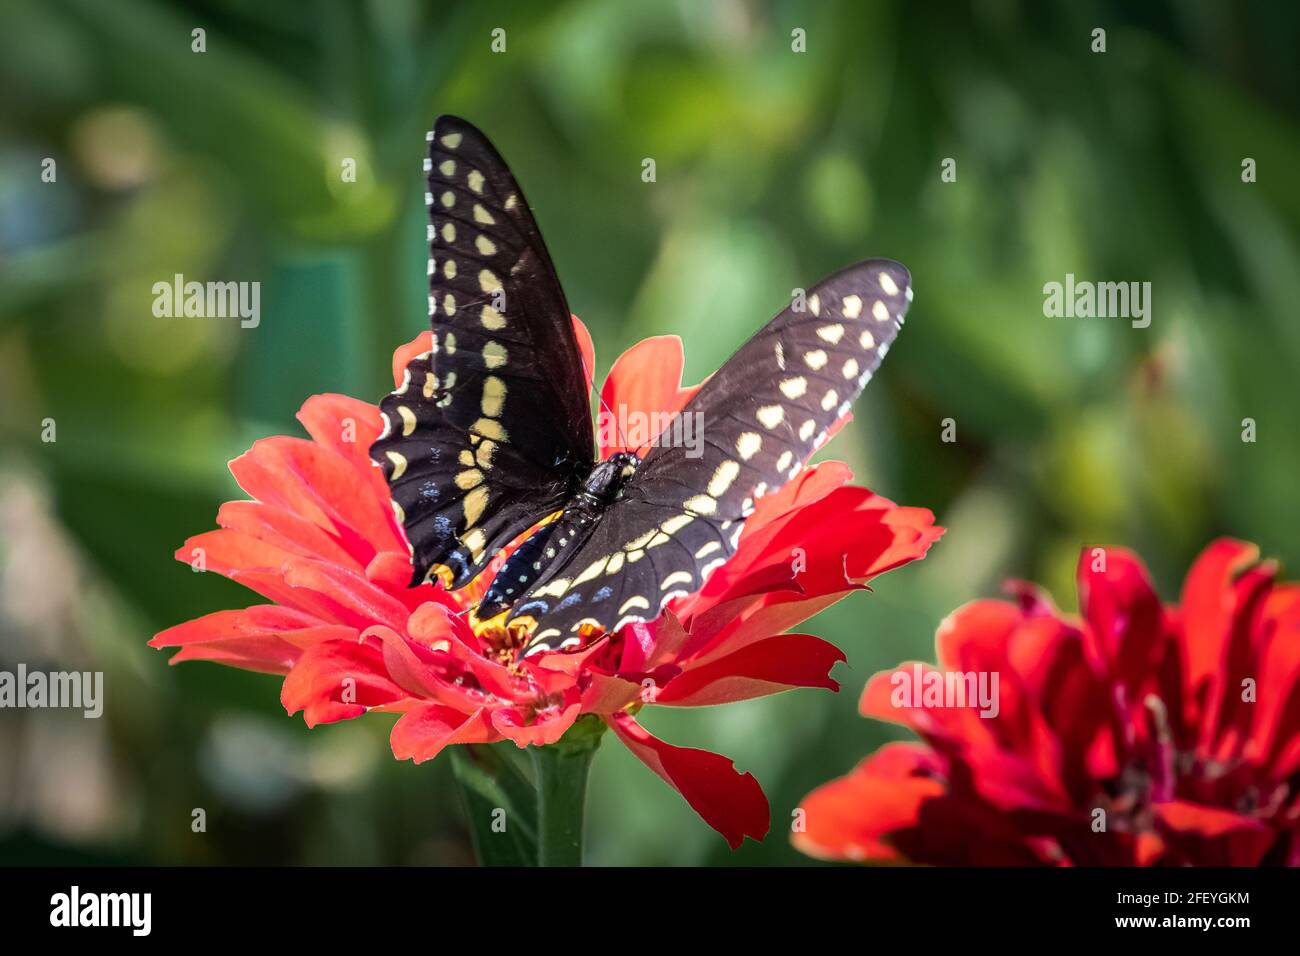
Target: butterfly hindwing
491	429
761	416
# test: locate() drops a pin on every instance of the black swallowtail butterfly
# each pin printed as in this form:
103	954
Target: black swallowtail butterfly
490	433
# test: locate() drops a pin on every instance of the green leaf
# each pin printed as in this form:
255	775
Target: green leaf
489	784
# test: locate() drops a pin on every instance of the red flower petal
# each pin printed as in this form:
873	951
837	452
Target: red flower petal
643	390
895	784
344	425
585	349
405	354
530	730
338	680
1212	836
912	814
1123	613
266	638
279	529
422	732
1208	606
732	803
321	486
765	667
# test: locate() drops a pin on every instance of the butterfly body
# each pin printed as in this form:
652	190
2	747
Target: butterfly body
490	432
527	568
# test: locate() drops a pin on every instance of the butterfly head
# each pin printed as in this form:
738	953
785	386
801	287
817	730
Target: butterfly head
608	477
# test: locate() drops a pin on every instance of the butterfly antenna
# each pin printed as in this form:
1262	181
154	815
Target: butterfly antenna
622	439
591	384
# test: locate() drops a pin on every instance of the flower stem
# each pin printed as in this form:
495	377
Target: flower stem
560	773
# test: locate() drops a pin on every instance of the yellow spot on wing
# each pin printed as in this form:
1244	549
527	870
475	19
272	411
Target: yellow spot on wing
677	577
676	523
701	505
408	419
490	428
471	478
592	572
475	502
475	541
494	396
770	415
399	464
722	478
748	444
794	387
852	306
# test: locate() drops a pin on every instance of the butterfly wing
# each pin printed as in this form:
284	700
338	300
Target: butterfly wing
491	429
760	418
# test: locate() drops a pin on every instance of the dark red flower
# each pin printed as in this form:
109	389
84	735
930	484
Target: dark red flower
1133	734
320	543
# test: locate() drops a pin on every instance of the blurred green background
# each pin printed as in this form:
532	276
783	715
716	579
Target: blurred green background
774	168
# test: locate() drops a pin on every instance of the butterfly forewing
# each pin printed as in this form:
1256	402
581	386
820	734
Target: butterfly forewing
760	417
490	429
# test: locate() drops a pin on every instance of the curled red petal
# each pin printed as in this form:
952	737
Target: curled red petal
764	667
404	354
731	802
338	680
423	731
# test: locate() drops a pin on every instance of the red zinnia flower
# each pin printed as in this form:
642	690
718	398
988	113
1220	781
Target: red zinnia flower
1133	734
320	542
